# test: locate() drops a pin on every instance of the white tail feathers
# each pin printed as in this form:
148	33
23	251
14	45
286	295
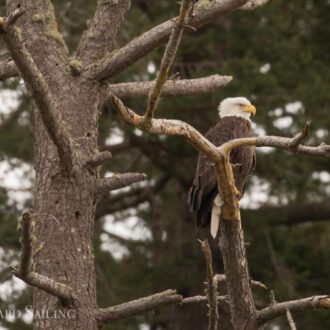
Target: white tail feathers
215	215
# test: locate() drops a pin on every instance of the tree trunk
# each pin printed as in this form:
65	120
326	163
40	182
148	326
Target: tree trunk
64	213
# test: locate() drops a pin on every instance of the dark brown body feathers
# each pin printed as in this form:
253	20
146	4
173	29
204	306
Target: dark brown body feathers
205	186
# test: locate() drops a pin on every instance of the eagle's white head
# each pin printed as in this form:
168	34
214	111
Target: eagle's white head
236	106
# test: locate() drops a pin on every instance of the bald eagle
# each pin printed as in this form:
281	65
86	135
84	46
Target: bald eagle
203	197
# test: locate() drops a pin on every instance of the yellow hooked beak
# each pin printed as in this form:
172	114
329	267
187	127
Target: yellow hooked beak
249	108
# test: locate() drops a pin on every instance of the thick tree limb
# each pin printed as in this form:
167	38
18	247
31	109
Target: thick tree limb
103	29
118	181
167	61
39	90
171	87
8	69
212	289
135	307
24	271
299	305
122	58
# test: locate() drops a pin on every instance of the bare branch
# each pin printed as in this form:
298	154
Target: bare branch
122	58
103	29
167	61
40	93
299	305
8	69
130	198
252	4
171	87
290	320
118	181
289	144
24	271
99	158
199	299
211	291
135	307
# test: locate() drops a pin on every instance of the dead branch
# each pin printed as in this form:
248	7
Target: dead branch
124	57
211	291
290	320
102	31
171	87
118	181
199	299
99	158
131	198
167	61
299	305
135	307
25	272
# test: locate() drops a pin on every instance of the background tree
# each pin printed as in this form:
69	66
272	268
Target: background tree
288	40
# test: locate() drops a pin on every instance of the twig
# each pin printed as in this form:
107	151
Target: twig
25	273
171	87
118	181
211	291
290	320
299	137
138	306
167	61
99	158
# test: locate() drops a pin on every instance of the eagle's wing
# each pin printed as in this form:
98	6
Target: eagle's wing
205	186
